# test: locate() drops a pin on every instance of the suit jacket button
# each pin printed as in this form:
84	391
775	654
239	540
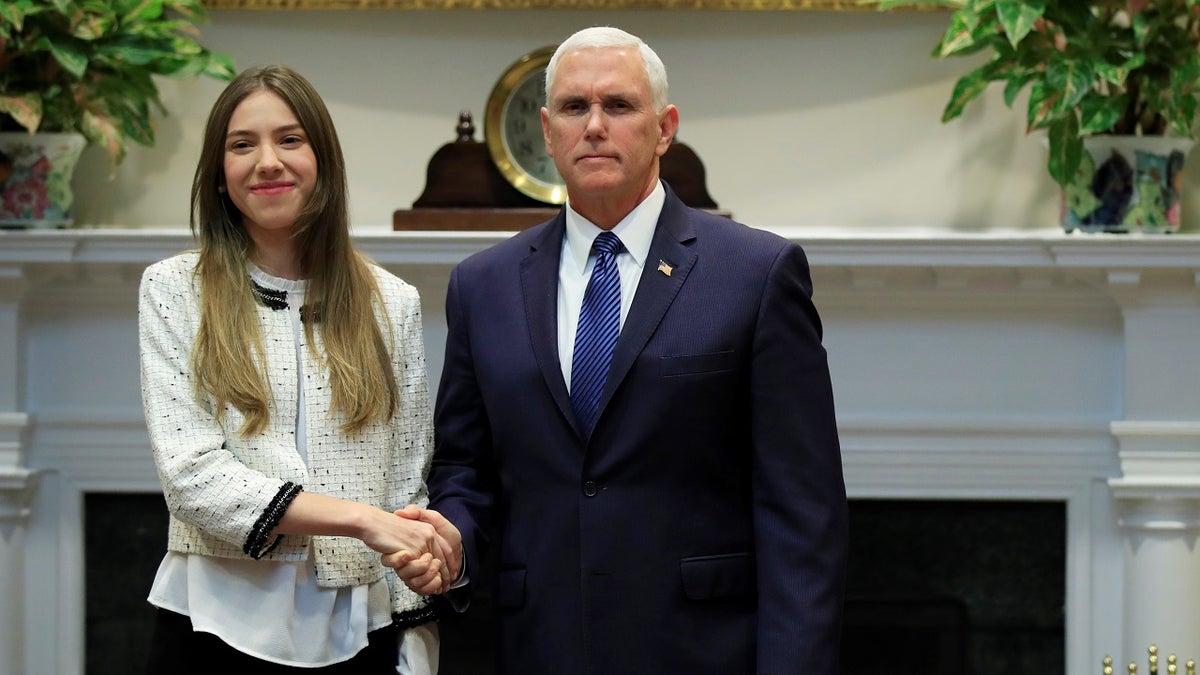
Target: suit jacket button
590	489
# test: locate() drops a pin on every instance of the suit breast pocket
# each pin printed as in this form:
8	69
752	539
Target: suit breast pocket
697	364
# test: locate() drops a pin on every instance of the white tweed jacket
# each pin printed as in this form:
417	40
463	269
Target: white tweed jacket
226	493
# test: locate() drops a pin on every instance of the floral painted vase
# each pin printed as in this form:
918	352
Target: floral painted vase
35	178
1126	184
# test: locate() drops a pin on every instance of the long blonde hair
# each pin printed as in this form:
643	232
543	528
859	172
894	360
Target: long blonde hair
229	359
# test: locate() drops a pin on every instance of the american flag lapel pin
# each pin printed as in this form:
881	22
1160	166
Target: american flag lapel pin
664	267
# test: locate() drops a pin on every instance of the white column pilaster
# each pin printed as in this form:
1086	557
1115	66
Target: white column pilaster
16	492
1158	493
1158	503
17	481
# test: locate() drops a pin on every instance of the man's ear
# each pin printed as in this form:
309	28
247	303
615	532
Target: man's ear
546	131
668	124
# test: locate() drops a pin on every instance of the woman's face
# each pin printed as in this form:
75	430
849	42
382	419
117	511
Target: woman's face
270	168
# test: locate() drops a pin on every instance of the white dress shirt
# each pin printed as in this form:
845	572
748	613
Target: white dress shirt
636	231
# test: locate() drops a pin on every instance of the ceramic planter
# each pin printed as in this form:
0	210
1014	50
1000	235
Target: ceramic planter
35	178
1126	184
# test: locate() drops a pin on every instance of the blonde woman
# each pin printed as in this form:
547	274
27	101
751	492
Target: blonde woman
285	392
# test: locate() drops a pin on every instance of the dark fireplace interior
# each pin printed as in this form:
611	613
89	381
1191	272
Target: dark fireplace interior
935	587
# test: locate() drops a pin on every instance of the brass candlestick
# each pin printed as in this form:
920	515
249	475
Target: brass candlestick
1152	661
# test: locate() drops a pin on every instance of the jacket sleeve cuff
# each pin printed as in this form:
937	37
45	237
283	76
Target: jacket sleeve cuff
259	542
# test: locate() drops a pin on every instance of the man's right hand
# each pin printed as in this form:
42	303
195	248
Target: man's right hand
418	571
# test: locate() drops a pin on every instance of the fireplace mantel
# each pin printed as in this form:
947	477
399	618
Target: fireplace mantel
1036	366
827	248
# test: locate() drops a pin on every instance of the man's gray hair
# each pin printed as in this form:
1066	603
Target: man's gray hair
607	36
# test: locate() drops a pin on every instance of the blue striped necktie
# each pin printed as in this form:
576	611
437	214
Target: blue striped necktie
596	333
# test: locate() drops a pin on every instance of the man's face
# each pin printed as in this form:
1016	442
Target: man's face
602	130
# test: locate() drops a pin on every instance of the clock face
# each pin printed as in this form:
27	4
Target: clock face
513	129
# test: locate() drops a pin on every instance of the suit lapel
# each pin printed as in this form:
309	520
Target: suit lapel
656	290
539	285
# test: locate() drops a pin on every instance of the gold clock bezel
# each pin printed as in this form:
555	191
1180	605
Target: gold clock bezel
493	132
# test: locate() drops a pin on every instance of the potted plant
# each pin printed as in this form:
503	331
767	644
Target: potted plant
83	72
1093	69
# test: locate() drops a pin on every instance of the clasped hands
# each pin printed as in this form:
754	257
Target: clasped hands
423	547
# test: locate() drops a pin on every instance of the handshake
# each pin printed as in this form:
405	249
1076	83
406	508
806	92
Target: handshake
423	547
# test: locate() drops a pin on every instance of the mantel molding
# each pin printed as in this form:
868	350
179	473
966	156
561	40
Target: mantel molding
17	487
1121	258
1159	459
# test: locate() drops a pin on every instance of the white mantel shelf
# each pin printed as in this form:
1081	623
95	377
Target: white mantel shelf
900	249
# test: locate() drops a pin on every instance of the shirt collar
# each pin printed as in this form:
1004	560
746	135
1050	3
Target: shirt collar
264	278
636	230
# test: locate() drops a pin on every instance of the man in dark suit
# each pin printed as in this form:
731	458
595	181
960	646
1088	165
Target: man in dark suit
689	517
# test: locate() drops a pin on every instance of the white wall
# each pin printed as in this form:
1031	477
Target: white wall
803	119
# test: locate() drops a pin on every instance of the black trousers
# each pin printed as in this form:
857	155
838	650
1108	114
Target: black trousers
176	649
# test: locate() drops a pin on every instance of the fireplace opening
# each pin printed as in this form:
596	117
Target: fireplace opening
934	587
124	539
917	636
963	587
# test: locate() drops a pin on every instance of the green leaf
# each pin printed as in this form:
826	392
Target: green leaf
1185	75
1014	86
1018	17
968	87
92	25
13	12
1072	78
25	109
191	10
1118	73
137	125
1141	29
960	35
1098	114
139	10
221	67
1066	149
160	56
1184	117
69	55
1043	108
100	129
1179	96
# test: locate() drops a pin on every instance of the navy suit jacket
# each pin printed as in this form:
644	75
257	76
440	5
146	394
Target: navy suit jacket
701	528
